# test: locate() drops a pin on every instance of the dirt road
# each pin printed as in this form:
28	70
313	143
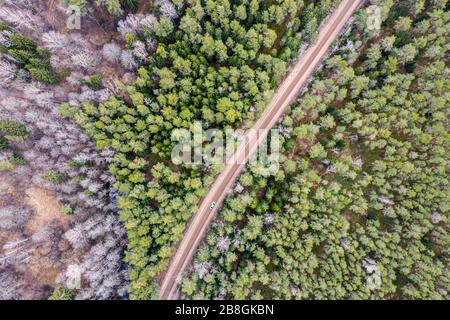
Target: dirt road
284	96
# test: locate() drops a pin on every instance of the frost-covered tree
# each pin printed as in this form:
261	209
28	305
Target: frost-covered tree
85	60
21	18
111	52
140	51
7	71
54	40
13	217
127	60
167	9
148	22
131	24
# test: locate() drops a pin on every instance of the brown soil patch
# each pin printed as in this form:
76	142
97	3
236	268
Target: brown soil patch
5	186
44	271
51	19
145	6
46	207
6	189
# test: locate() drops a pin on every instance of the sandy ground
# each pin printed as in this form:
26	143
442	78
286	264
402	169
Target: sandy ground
43	266
6	189
47	209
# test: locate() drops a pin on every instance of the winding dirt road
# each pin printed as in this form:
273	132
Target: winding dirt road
285	95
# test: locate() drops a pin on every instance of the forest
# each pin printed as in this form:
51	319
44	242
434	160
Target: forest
218	62
357	210
58	208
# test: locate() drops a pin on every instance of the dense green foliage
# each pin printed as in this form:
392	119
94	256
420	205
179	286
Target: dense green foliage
359	208
28	56
3	144
94	82
219	63
54	177
10	131
222	60
62	294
